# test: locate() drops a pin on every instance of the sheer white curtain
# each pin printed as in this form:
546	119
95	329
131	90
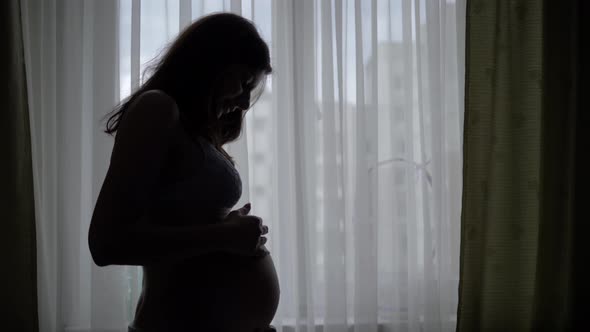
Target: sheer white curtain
352	156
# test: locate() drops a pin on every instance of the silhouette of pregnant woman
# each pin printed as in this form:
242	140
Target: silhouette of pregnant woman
166	200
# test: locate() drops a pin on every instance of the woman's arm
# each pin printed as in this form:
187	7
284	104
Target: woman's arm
120	232
144	244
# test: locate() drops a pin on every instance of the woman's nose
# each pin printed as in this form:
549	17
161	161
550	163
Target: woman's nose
243	101
238	90
233	89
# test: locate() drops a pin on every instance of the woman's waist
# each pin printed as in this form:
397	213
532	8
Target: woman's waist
216	267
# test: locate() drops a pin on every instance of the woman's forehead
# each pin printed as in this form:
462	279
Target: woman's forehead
243	70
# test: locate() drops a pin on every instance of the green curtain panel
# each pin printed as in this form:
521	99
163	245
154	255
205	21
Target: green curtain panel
18	279
581	247
517	215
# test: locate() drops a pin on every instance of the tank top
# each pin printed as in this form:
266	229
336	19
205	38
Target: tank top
210	189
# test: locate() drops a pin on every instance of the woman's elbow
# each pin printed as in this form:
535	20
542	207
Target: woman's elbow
99	248
98	253
100	260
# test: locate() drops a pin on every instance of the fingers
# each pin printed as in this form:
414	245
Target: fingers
261	241
262	251
263	228
244	210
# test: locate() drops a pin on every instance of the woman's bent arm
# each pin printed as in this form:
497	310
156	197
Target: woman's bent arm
119	230
145	244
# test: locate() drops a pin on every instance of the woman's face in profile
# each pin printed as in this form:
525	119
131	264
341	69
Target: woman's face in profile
232	94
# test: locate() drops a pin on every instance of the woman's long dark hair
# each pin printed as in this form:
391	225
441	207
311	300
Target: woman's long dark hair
191	65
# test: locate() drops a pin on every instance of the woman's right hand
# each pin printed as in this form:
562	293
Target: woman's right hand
248	231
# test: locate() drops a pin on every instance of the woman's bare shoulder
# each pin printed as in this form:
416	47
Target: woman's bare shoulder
153	107
147	128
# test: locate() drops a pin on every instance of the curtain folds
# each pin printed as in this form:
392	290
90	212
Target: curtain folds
554	290
71	57
519	176
581	253
352	155
18	280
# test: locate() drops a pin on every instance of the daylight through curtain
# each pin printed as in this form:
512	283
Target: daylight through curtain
352	156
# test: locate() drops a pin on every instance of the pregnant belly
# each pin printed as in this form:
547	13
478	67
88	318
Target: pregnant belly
219	292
